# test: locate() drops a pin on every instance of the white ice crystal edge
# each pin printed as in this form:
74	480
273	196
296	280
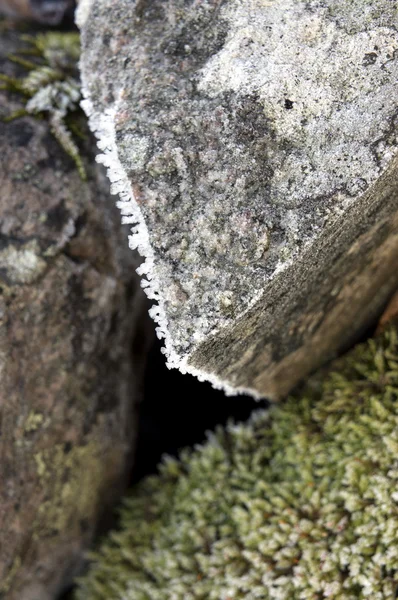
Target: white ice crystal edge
103	126
82	12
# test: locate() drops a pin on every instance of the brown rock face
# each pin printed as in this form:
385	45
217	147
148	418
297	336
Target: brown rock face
70	357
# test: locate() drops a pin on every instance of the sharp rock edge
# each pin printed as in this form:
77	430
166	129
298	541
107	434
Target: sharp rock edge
103	127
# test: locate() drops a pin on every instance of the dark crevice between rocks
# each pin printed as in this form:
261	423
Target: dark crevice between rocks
176	411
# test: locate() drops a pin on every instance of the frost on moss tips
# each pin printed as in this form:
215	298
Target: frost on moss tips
51	87
299	503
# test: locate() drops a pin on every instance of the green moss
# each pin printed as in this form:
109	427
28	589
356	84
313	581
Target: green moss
51	87
299	503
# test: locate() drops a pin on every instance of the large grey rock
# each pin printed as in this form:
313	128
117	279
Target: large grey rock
253	144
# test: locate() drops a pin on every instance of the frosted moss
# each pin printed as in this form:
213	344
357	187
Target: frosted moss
51	86
299	503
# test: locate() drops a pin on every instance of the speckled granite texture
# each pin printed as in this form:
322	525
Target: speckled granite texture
252	144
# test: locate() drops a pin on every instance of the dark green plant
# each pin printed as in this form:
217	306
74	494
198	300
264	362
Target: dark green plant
51	87
299	503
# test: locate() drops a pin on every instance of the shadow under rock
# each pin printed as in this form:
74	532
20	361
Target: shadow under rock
177	410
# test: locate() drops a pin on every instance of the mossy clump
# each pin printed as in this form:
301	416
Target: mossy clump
51	86
299	503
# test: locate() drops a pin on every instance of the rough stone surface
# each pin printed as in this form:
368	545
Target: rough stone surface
70	367
253	145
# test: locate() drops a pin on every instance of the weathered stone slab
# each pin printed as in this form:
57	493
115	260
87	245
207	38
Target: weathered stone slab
70	311
253	145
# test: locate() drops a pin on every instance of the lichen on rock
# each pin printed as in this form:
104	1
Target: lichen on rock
300	502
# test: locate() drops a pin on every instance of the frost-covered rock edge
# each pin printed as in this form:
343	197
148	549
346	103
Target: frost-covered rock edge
103	127
177	358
